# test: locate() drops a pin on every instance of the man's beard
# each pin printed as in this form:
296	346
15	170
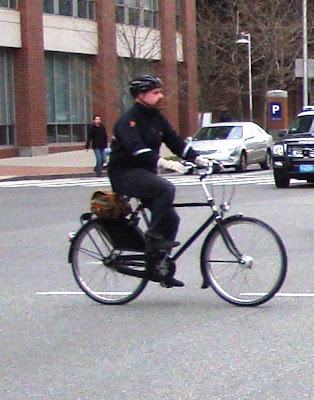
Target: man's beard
160	105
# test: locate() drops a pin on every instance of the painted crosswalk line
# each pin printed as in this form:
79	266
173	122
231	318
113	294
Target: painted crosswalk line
248	178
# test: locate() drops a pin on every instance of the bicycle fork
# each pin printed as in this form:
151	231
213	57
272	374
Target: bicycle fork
243	259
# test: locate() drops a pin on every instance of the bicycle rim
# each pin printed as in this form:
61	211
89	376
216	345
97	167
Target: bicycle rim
264	258
96	273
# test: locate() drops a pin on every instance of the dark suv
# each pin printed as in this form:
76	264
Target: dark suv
293	156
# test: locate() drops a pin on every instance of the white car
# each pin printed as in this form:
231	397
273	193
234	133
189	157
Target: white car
234	144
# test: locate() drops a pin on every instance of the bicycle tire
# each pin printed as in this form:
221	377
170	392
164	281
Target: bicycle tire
95	271
260	277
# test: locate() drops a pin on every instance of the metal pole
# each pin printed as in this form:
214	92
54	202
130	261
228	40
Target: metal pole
245	38
250	76
305	56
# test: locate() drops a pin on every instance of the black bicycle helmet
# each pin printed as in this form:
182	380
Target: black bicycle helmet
144	83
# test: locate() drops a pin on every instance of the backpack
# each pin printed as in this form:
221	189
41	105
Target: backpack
109	206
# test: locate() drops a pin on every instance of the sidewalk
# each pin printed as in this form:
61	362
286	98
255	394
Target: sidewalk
66	165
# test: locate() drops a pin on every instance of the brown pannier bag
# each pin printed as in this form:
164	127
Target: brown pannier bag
109	206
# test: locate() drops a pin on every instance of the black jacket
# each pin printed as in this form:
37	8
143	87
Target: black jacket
98	136
137	137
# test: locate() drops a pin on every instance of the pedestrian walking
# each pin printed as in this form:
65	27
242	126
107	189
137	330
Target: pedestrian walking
97	136
224	116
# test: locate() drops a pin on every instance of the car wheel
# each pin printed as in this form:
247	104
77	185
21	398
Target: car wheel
243	163
266	164
281	180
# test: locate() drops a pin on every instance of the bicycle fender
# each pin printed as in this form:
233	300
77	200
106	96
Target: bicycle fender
123	235
70	254
73	241
206	282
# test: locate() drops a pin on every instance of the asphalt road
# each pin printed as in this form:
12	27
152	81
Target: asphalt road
172	344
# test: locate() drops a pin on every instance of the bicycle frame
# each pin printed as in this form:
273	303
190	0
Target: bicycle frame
215	216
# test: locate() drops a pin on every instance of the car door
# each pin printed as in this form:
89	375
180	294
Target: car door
249	143
262	140
258	145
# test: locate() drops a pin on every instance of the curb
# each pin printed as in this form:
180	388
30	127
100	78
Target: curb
46	177
62	176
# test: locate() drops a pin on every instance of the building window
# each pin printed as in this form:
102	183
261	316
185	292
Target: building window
68	96
8	3
66	8
137	12
71	8
7	117
178	15
86	9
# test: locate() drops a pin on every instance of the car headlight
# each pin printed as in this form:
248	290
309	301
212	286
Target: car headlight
278	150
235	151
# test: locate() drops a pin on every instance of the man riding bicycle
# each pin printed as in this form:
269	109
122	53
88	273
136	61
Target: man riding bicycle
135	160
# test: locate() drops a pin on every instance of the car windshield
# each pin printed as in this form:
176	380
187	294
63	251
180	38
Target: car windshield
302	124
219	133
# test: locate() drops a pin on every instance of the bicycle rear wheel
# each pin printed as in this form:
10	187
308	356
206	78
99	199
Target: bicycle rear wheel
95	264
263	266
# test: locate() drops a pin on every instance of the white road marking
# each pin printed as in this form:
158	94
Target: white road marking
281	294
248	178
78	293
60	293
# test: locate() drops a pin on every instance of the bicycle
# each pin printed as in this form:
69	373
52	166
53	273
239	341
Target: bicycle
242	258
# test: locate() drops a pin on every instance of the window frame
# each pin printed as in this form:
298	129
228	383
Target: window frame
178	15
67	130
12	4
9	125
124	8
54	9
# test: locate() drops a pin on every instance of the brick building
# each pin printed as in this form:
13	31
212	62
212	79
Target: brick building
61	61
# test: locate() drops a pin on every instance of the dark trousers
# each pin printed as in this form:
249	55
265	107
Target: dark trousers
100	156
157	194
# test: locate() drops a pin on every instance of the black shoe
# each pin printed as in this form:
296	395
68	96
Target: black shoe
171	282
155	275
164	280
160	244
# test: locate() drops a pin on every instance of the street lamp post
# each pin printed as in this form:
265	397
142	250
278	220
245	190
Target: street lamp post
245	38
305	56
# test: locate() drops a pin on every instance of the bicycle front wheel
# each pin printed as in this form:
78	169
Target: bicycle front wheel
95	267
244	260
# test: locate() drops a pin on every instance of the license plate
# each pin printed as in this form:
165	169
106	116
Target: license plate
306	168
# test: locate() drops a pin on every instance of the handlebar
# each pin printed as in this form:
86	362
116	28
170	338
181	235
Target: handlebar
213	166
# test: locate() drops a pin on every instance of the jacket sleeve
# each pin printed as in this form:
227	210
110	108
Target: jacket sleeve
175	143
89	136
127	135
106	137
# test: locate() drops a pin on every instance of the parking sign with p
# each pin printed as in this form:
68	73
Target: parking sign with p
275	111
